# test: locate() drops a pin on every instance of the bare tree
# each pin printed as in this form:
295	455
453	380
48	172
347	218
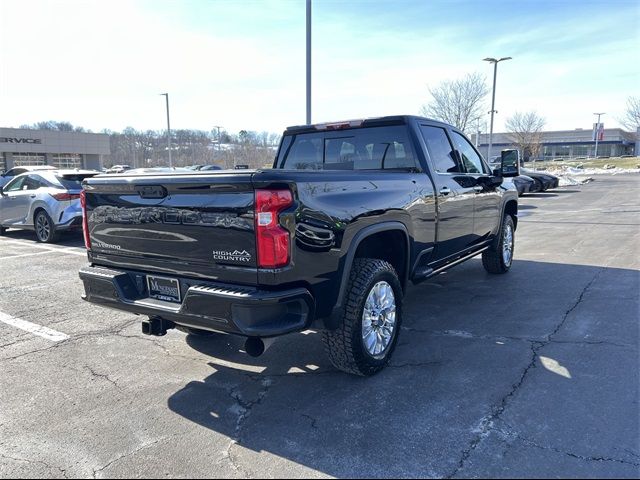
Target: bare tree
525	131
189	147
631	119
458	102
55	126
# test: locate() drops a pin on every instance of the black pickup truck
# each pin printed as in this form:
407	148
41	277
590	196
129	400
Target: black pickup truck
328	239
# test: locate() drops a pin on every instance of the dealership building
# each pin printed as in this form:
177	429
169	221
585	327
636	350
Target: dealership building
565	144
20	147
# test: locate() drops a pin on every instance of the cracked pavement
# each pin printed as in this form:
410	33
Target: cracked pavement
531	374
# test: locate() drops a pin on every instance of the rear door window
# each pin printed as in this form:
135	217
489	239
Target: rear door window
373	148
32	182
441	152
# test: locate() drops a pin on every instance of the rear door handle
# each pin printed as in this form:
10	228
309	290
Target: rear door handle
445	191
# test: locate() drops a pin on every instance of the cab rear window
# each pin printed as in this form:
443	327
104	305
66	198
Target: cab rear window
373	148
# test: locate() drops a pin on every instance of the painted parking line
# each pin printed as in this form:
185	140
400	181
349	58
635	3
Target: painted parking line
34	328
33	254
50	248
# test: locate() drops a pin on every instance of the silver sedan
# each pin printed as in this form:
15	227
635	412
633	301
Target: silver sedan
47	202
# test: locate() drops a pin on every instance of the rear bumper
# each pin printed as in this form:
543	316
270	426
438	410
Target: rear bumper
66	215
72	224
206	305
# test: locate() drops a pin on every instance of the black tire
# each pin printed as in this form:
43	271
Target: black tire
44	228
493	259
345	345
2	230
196	331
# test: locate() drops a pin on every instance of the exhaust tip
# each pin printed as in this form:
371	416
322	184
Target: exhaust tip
254	346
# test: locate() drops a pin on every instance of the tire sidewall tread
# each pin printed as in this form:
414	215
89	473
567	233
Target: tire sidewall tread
344	345
492	259
53	235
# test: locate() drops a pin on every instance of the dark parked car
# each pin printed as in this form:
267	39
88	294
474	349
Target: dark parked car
328	239
526	184
544	180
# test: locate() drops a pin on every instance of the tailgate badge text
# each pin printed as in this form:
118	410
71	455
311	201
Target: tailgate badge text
236	255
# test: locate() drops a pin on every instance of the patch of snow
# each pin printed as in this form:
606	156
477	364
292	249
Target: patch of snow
608	170
567	175
567	181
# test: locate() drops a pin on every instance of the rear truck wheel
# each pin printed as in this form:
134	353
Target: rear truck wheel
371	318
499	257
2	230
45	229
196	331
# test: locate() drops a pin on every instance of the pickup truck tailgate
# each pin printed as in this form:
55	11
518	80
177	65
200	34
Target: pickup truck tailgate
185	224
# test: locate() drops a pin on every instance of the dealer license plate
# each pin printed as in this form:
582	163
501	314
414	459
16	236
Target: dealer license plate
163	288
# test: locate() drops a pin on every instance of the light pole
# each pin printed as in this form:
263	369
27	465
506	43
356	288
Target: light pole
493	99
477	135
166	95
218	127
308	62
595	154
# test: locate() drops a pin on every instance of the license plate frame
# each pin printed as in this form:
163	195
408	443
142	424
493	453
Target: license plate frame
166	289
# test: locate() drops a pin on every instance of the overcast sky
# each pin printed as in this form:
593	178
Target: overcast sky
241	64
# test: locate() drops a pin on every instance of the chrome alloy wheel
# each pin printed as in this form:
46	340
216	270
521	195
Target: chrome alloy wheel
507	244
43	228
379	319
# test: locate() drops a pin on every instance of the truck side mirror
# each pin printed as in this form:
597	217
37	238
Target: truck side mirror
510	163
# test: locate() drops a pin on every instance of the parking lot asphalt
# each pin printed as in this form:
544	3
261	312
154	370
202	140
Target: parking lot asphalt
530	374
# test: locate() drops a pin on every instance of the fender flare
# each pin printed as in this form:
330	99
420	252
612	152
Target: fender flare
504	209
333	321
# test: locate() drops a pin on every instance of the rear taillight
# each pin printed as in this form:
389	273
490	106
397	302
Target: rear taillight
63	197
272	240
85	222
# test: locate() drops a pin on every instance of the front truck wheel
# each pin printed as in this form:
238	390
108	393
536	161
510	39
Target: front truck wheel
499	257
371	318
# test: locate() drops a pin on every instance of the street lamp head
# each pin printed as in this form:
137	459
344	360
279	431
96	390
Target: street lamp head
495	60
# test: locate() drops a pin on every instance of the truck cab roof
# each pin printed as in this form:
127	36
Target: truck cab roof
357	123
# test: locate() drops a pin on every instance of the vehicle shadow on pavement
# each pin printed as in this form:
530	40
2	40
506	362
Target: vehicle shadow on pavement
66	239
504	361
540	195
